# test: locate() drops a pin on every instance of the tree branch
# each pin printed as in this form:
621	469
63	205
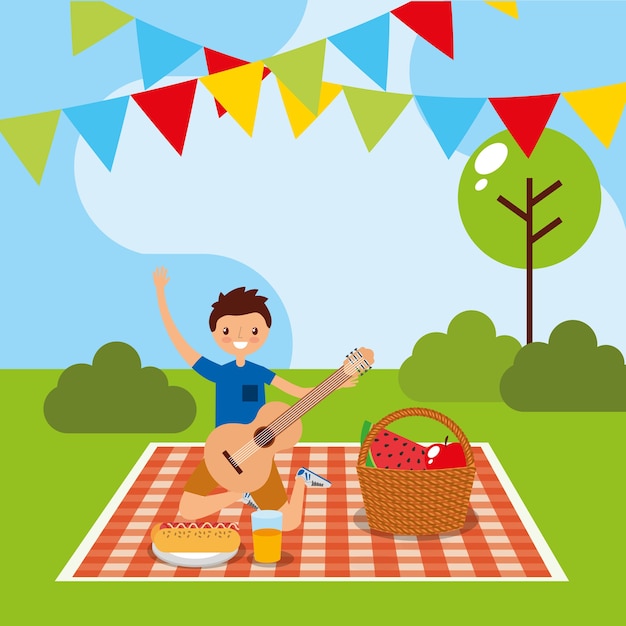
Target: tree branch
546	192
509	205
546	229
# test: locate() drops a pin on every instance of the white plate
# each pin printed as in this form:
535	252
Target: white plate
193	559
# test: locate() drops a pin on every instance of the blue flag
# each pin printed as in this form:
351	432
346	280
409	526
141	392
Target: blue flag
100	125
449	118
160	52
367	46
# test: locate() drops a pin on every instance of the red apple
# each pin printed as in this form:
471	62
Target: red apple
445	455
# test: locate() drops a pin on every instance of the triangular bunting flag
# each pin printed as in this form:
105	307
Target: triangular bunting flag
525	117
301	71
510	8
367	46
238	91
160	52
100	125
93	21
430	20
220	62
300	117
600	108
449	118
169	109
30	137
374	111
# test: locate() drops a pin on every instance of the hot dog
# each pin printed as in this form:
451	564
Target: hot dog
194	537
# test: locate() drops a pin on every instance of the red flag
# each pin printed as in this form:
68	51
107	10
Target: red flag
220	62
525	117
431	21
169	109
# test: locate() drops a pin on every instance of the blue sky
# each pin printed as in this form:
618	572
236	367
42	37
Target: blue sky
353	248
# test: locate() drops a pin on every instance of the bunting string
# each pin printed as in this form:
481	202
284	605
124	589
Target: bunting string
235	85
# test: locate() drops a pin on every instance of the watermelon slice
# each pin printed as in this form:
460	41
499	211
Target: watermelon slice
392	451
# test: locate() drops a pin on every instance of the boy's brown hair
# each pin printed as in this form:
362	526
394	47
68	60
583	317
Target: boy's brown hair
239	302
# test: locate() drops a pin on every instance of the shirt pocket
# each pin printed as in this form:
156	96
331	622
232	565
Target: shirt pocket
250	393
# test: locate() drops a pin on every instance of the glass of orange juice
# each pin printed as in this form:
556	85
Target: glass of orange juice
267	535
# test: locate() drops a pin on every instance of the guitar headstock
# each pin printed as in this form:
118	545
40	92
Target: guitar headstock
358	361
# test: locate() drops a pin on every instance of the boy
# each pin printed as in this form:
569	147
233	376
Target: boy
239	322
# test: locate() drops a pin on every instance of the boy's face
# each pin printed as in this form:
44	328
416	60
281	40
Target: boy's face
241	334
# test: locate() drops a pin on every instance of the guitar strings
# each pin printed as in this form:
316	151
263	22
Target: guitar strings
248	449
279	425
308	401
252	445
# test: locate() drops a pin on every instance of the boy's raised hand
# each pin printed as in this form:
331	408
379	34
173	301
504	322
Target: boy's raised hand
160	277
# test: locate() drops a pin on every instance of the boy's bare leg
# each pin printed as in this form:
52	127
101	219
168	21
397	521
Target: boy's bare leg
292	510
193	506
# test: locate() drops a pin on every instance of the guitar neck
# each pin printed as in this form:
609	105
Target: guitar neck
307	402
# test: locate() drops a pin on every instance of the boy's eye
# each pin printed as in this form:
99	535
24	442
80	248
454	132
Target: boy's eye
255	330
225	330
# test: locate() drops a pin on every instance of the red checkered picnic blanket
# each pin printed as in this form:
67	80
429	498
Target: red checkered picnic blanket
499	540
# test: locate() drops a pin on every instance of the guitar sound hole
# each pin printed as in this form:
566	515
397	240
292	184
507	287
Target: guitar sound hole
263	437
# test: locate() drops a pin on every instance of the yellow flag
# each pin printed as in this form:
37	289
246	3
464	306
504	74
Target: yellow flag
600	108
238	90
510	8
300	116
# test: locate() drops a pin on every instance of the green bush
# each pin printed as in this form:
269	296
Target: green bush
569	373
117	395
463	365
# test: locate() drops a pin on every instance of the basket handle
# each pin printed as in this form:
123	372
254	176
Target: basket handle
419	412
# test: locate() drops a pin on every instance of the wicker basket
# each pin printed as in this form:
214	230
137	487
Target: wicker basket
405	502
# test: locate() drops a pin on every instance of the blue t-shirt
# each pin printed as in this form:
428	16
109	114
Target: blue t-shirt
239	391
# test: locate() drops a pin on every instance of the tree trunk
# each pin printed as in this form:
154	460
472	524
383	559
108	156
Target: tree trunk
531	239
529	260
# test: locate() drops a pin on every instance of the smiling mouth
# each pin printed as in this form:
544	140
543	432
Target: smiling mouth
240	345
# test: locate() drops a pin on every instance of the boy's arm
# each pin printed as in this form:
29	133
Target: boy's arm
184	349
290	388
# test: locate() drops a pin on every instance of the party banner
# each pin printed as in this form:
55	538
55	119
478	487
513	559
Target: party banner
235	85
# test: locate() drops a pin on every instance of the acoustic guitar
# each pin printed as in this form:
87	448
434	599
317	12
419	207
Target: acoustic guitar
239	456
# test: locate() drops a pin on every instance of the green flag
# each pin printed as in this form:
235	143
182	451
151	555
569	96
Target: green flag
93	21
374	111
301	70
30	137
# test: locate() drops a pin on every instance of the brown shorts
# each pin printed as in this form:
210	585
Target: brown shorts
271	495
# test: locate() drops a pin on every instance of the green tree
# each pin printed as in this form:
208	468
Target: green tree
512	222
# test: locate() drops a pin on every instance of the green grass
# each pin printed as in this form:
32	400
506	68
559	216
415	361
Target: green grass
567	467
